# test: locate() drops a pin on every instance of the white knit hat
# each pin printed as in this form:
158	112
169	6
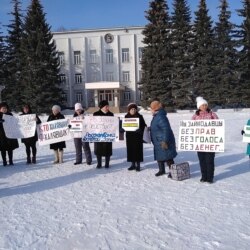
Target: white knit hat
78	106
56	107
200	101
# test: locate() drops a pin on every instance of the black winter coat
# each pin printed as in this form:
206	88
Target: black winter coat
6	144
134	140
31	140
103	148
61	144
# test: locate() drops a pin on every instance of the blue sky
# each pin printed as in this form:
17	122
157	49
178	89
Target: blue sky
90	14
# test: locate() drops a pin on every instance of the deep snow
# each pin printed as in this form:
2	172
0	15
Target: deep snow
66	207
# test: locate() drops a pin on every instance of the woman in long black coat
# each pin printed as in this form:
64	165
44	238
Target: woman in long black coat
30	143
6	144
134	139
58	146
103	148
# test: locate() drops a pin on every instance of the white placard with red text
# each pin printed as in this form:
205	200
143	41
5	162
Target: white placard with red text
202	135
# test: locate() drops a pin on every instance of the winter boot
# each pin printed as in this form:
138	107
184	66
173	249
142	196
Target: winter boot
10	154
34	159
107	159
3	153
60	156
99	161
28	160
138	168
161	168
56	156
132	167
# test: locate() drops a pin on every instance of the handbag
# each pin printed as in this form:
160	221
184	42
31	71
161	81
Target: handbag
146	135
180	171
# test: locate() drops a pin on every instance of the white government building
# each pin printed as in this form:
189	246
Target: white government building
100	64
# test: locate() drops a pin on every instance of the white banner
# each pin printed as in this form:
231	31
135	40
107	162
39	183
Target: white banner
246	136
23	126
202	135
100	128
53	131
130	124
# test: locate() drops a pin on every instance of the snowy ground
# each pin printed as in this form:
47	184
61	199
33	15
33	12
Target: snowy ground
67	207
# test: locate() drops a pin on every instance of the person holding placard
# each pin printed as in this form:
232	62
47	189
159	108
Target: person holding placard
134	139
79	144
30	143
58	146
6	144
162	138
103	148
248	145
206	159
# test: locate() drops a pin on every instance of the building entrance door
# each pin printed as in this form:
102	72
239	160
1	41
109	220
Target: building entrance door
107	95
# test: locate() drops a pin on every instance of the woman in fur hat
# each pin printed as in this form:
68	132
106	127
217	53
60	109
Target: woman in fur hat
134	139
6	144
30	143
58	146
162	138
103	148
206	159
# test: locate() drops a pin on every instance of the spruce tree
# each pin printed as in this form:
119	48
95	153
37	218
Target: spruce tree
13	86
181	35
243	36
156	60
40	66
203	54
225	58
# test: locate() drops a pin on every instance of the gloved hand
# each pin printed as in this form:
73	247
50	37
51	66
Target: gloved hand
122	130
69	126
242	132
164	145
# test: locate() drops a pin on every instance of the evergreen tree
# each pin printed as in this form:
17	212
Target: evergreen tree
203	54
181	35
40	66
13	86
156	60
243	36
225	58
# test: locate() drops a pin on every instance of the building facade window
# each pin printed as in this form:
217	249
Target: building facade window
93	56
109	56
77	57
140	53
141	73
126	95
79	97
78	78
125	76
62	79
61	58
65	97
109	76
125	55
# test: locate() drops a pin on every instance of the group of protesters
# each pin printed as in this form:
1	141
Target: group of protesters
161	134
